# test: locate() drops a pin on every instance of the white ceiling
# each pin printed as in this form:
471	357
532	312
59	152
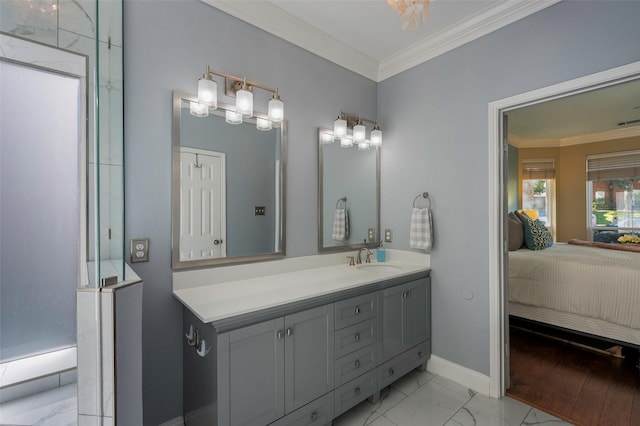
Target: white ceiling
366	36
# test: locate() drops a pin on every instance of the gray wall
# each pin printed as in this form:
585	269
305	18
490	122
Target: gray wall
436	130
168	45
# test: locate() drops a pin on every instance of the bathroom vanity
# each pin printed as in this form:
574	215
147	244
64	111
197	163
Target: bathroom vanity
299	341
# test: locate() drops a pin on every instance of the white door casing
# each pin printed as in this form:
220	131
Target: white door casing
202	205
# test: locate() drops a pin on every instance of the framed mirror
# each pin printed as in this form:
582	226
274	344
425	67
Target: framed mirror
348	195
228	188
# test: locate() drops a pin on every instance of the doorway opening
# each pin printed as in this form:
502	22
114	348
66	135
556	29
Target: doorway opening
498	263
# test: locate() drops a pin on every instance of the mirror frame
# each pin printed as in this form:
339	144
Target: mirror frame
352	246
176	263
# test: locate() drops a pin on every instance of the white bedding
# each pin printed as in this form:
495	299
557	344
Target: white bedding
587	281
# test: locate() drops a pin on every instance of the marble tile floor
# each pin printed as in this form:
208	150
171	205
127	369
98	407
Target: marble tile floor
419	399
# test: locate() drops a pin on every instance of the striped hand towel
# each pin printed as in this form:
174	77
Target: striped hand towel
421	235
341	225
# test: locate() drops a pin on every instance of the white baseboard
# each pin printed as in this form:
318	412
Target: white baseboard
178	421
462	375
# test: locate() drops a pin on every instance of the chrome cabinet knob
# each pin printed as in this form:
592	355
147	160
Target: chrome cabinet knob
391	372
357	390
314	416
216	242
357	337
357	310
357	363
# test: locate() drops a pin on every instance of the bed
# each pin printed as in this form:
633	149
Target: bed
582	288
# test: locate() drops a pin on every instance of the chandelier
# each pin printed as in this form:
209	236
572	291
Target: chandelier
412	12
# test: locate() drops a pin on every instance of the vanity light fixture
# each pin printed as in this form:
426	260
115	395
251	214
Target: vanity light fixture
242	89
359	135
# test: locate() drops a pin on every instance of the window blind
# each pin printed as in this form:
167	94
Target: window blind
539	169
618	165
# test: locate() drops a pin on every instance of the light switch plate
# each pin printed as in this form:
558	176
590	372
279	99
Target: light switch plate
139	250
388	235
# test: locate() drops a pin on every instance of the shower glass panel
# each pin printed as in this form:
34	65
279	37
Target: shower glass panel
40	222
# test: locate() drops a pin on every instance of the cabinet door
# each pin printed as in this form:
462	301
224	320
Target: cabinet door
405	312
391	320
250	374
416	313
309	356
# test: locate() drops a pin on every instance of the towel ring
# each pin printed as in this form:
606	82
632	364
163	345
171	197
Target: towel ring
424	195
341	199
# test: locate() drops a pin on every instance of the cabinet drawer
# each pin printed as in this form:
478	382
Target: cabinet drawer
397	367
355	310
316	413
354	364
355	391
355	337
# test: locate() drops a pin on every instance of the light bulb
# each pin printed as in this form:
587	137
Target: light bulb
346	142
362	145
359	132
340	127
208	92
276	109
244	101
376	136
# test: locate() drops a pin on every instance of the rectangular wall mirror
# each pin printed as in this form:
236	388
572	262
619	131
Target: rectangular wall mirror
348	195
228	189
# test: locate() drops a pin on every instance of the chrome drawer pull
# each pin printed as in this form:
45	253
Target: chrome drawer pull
314	416
357	310
391	372
357	337
357	363
290	331
280	334
420	354
357	390
405	294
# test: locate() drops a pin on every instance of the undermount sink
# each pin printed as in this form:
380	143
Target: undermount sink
382	267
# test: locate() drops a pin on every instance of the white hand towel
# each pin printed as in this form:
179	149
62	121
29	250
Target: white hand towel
341	225
421	235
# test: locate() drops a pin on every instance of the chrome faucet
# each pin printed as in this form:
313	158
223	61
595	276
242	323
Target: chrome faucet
359	255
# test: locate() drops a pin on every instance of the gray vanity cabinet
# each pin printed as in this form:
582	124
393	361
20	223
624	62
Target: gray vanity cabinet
272	368
405	315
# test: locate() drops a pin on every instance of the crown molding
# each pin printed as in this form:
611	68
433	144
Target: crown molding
461	33
627	132
276	21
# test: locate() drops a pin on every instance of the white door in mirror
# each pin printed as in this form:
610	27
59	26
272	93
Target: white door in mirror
202	205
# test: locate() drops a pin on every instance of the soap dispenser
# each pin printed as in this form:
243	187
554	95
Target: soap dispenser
381	256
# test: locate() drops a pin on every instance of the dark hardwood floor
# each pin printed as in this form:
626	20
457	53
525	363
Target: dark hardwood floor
581	386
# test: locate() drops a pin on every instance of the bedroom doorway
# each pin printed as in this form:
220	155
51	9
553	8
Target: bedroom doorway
499	321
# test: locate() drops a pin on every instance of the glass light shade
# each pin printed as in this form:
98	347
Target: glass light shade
244	102
276	110
233	117
346	142
208	92
362	145
198	109
359	133
263	124
376	137
340	127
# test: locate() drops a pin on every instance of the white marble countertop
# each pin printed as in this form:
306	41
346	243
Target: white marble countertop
267	286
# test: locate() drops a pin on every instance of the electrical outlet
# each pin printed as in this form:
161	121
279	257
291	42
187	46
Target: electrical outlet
372	234
139	250
259	211
388	235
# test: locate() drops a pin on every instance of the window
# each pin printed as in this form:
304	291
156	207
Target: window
613	182
538	189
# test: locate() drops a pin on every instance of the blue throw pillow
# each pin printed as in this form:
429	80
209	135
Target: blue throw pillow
536	235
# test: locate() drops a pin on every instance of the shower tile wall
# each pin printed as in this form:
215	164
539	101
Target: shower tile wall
71	25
